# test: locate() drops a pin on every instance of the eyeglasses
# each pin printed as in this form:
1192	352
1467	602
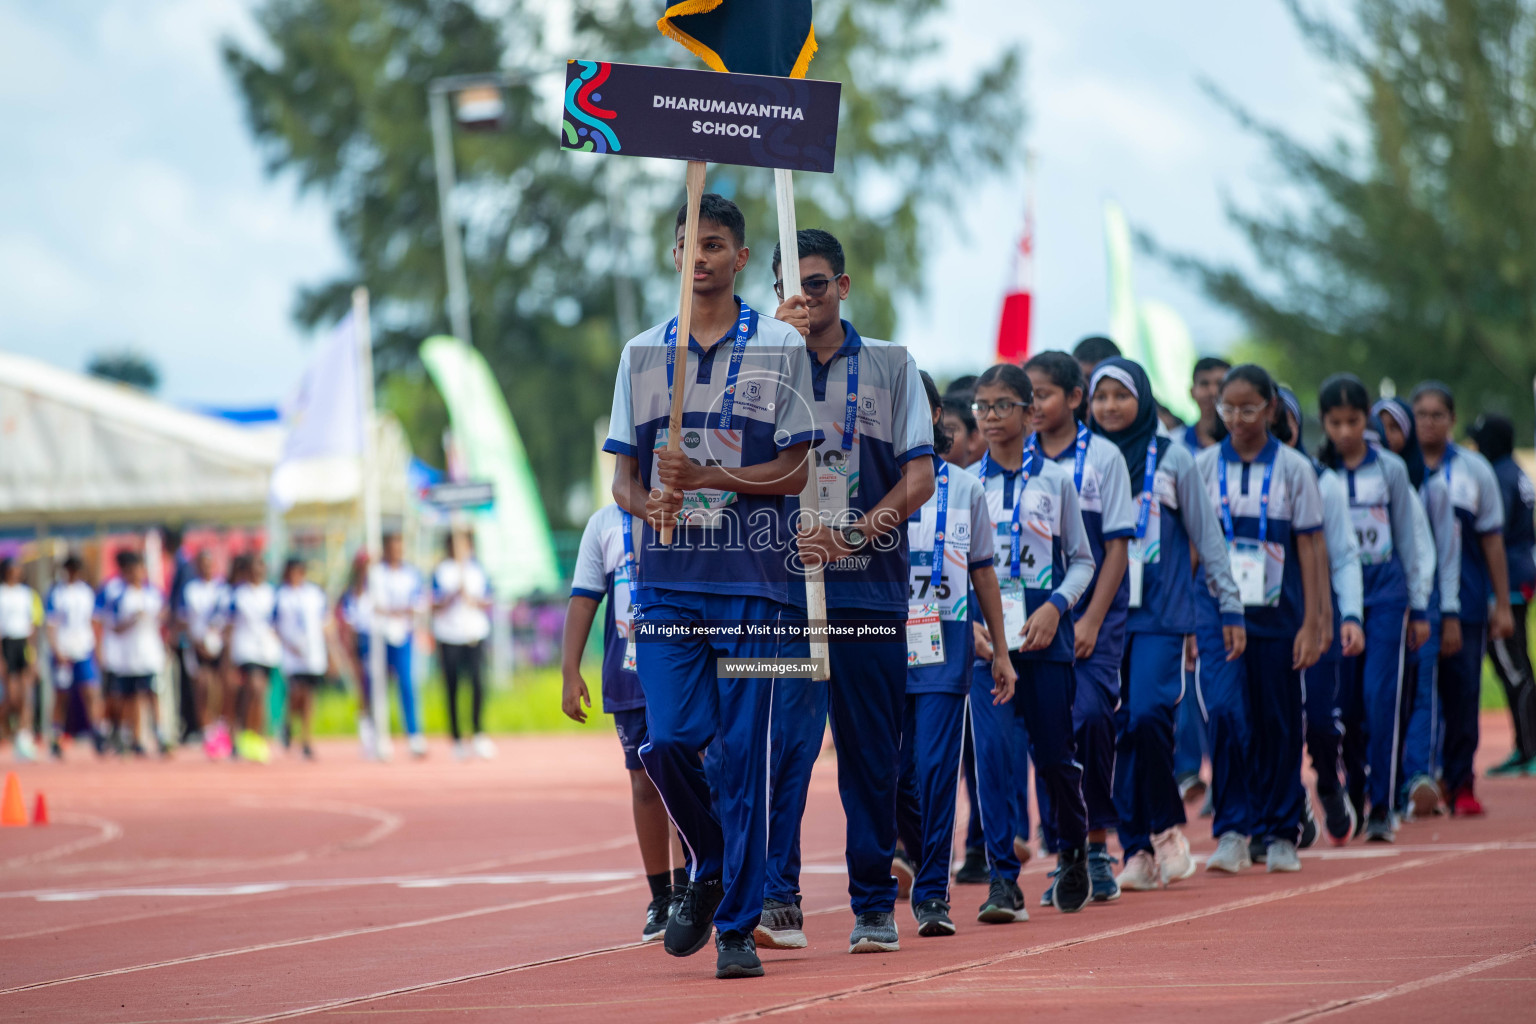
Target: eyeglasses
811	288
1001	408
1242	413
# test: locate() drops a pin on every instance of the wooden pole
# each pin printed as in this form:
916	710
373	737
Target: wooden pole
789	273
684	319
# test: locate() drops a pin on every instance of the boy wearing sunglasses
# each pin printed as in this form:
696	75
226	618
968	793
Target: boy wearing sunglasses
873	471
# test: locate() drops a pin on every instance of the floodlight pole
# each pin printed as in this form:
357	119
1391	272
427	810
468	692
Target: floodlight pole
453	245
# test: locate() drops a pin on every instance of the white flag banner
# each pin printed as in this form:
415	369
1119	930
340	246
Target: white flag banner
324	419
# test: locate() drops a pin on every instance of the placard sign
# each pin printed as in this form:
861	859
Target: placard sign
678	114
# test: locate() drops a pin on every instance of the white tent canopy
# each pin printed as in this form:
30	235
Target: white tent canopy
76	451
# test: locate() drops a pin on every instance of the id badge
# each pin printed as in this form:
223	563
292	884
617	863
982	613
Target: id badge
630	662
925	636
1013	616
832	489
1373	529
1247	557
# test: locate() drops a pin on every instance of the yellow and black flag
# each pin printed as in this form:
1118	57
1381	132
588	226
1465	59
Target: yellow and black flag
747	37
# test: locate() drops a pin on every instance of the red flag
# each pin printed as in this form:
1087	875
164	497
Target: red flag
1013	327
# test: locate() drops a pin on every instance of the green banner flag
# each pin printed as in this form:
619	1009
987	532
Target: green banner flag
512	539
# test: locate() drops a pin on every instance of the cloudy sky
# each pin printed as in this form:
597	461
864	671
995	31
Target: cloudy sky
135	211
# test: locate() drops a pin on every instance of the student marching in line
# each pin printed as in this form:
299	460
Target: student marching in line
397	603
1104	493
68	611
874	469
1092	351
1173	519
747	431
1440	542
1266	495
1495	437
299	617
1041	538
1485	611
952	585
605	565
354	625
18	625
200	608
254	650
1381	503
960	424
1190	746
461	624
133	614
1343	808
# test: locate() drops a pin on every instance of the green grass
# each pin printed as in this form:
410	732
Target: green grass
530	704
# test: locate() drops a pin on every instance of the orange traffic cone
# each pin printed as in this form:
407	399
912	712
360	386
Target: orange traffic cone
12	810
40	810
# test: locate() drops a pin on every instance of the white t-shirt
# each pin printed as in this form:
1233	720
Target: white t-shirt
397	599
139	650
301	628
252	640
459	621
70	607
18	605
203	604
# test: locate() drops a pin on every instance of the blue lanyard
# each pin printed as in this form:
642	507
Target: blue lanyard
851	409
1226	504
738	349
1016	531
1148	482
628	531
939	522
1079	456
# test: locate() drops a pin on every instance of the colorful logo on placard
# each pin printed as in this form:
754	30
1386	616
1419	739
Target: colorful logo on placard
584	127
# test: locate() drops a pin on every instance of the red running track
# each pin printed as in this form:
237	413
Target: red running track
510	890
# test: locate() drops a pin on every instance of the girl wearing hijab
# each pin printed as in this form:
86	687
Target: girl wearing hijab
1171	514
1440	543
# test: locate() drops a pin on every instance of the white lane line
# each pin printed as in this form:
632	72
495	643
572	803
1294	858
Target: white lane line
325	937
1112	933
388	822
1407	987
106	832
261	888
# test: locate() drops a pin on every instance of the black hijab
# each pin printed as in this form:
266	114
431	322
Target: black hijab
1133	440
1401	413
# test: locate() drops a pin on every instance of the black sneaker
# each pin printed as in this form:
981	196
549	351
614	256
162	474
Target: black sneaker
874	932
1338	817
694	916
1379	828
933	918
56	750
1073	885
974	869
1308	826
1258	849
656	917
1101	873
1004	903
736	957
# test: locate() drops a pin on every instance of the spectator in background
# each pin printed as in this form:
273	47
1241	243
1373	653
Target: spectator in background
1495	437
354	623
254	651
300	620
199	603
134	616
396	589
18	623
461	622
69	608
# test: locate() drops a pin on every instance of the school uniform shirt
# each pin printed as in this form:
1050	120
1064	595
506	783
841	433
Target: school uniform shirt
1189	437
202	607
299	617
397	598
356	610
860	460
1180	518
109	654
1104	494
139	650
1519	530
18	611
1479	511
602	572
1295	508
1055	560
731	544
252	638
460	622
1345	580
968	545
1381	501
1445	536
69	609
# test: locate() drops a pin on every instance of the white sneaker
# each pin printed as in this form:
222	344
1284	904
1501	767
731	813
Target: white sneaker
1139	873
484	748
418	745
367	736
1281	856
1231	854
1174	864
461	751
385	749
26	747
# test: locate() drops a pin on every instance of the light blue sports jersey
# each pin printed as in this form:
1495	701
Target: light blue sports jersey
599	574
1380	506
733	544
857	468
968	545
1479	509
1105	493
